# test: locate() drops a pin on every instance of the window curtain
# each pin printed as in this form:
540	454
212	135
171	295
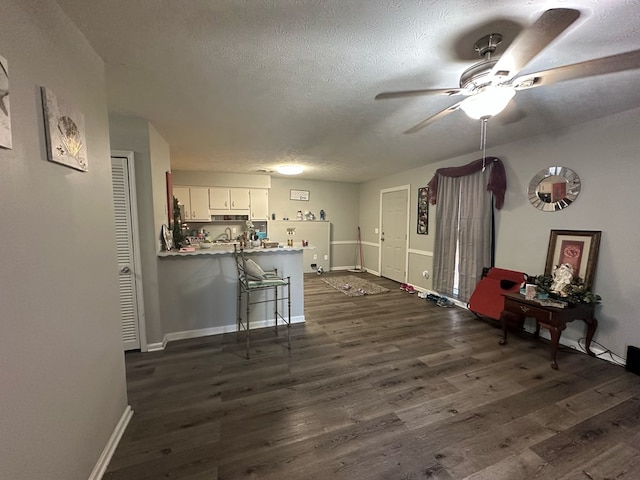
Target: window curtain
464	198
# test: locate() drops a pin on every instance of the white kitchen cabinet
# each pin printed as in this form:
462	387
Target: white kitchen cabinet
239	198
200	203
195	201
223	199
259	198
219	198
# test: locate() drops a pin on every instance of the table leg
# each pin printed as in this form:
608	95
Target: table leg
555	339
505	318
592	324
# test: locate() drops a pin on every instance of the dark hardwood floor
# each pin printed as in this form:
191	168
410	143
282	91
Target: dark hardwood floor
386	387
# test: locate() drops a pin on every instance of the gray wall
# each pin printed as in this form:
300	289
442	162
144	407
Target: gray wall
604	153
152	161
61	361
338	200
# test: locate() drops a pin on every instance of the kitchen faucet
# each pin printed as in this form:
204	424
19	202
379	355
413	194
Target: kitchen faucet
228	234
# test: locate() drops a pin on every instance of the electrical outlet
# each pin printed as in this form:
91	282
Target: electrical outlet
315	256
233	230
375	230
326	257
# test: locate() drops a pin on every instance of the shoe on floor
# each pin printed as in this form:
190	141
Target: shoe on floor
444	302
410	289
403	286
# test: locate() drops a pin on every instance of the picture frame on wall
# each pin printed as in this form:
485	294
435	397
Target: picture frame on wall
423	211
5	109
64	132
578	248
302	195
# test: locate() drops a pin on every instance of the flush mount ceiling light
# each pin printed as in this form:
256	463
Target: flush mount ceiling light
489	101
290	169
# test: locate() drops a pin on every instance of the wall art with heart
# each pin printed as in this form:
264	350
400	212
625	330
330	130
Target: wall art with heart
64	128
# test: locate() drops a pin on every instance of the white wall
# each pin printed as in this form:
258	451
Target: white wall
604	153
62	379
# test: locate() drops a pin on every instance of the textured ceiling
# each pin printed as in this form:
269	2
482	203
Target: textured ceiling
243	85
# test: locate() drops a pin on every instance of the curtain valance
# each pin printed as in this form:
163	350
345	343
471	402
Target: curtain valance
497	178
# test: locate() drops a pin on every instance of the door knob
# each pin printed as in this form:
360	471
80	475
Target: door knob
125	270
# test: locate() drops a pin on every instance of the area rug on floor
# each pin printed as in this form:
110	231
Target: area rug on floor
354	286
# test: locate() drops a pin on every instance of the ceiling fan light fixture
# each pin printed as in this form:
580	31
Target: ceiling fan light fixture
489	101
290	169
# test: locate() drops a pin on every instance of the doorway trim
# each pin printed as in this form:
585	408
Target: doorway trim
406	247
135	234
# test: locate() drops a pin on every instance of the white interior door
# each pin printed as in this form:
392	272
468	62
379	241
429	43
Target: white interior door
394	223
127	251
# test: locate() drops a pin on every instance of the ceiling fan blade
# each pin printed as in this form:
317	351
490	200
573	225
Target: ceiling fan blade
418	93
589	68
532	41
435	117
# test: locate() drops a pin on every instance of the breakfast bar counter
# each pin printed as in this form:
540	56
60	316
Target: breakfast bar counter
199	290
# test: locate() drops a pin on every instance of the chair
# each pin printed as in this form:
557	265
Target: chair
252	279
487	299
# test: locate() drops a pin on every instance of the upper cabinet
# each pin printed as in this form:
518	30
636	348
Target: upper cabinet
239	198
223	199
259	198
195	201
200	203
219	198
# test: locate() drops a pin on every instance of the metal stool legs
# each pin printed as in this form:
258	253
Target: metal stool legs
266	286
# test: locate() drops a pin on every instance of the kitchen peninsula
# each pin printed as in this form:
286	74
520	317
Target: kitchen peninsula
199	290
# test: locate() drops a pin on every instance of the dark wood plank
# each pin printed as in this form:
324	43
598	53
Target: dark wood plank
387	386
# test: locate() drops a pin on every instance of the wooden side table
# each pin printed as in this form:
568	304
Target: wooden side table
516	309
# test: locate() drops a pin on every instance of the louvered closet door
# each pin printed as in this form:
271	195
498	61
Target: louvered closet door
124	243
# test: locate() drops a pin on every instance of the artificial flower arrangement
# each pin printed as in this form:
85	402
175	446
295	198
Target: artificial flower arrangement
570	289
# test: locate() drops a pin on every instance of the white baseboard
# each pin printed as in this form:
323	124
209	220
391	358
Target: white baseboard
110	447
204	332
345	268
568	342
156	347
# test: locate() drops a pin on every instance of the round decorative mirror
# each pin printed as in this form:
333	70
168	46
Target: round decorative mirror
554	188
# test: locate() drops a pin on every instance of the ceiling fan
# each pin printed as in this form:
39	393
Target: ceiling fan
491	84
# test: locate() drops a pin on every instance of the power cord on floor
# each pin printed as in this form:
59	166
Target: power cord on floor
606	351
613	357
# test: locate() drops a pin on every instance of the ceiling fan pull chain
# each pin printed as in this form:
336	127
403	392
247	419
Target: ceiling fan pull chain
483	141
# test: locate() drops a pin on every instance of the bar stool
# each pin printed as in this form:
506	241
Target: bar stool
253	279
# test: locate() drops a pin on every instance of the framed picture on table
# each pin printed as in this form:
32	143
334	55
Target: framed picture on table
578	248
